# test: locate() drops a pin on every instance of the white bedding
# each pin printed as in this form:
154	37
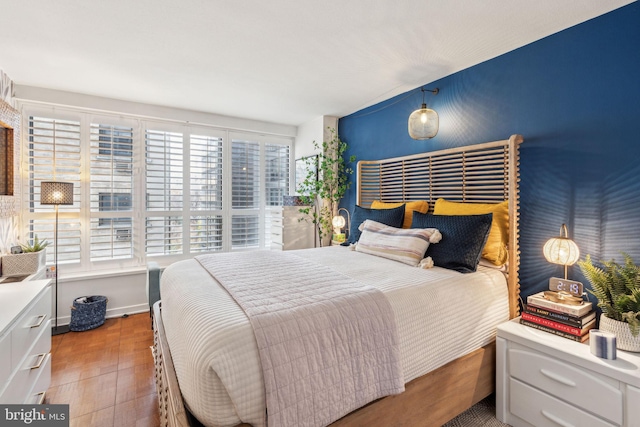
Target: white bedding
441	315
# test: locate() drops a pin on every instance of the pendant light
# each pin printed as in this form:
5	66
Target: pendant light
423	123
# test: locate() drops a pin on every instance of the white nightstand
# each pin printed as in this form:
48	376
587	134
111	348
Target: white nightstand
545	380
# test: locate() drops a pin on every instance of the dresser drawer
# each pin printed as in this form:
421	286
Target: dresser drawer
37	393
276	221
5	359
30	368
30	326
567	382
277	234
276	217
542	410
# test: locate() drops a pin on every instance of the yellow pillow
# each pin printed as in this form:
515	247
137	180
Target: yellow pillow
495	250
421	206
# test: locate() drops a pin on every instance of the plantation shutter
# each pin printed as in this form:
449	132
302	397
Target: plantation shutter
245	194
164	192
111	192
277	172
205	175
53	153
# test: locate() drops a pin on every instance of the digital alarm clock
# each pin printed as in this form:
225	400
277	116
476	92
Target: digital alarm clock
571	286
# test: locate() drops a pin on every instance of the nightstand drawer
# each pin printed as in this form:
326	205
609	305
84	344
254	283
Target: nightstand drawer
567	382
542	410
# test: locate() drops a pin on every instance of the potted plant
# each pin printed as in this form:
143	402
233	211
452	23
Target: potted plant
31	260
321	191
617	288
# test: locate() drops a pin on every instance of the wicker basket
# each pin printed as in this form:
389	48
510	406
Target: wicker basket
23	264
624	339
88	313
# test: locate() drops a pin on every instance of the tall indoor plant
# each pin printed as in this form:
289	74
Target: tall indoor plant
326	183
617	288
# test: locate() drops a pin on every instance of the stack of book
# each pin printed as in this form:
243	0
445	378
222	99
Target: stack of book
568	321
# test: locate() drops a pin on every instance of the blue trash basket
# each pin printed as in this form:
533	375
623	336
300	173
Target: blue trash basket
88	313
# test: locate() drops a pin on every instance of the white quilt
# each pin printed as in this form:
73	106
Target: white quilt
440	314
327	344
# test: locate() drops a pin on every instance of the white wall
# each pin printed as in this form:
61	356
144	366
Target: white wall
51	96
126	292
314	130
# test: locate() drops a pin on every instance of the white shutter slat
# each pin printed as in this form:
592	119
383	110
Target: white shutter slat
53	153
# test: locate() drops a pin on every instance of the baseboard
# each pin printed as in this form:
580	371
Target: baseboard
113	312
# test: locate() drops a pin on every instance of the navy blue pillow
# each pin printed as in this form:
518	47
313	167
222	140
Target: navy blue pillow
463	237
392	217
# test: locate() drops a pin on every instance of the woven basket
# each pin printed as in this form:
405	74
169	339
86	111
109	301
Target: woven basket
88	313
23	264
624	339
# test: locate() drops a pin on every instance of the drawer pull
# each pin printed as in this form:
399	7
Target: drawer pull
41	397
41	357
557	378
556	420
39	322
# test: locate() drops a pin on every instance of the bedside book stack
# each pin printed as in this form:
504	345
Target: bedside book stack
568	321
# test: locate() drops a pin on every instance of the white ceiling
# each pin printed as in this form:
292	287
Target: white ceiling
282	61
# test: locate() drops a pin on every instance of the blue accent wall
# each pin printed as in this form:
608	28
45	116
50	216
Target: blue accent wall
575	98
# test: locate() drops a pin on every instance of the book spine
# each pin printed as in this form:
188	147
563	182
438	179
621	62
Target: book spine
552	315
552	331
551	306
551	324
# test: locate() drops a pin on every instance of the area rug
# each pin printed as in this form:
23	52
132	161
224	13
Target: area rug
482	414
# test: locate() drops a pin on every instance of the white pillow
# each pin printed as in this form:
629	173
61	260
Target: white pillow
407	245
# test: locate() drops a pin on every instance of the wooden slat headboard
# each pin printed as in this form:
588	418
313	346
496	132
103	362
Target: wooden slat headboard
481	173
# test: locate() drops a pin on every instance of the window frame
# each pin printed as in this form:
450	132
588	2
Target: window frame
139	212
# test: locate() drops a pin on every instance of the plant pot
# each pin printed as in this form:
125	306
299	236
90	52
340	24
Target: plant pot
23	264
624	339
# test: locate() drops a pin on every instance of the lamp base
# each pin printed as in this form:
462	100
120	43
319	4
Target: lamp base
59	330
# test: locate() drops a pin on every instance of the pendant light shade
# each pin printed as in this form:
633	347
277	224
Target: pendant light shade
423	122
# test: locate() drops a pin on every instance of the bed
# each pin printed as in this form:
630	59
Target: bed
444	373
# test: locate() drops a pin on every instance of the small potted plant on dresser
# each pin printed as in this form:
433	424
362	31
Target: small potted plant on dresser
617	288
32	259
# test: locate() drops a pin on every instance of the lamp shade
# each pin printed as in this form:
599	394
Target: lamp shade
423	123
56	193
561	250
338	221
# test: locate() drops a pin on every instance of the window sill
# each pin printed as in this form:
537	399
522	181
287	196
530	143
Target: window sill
100	274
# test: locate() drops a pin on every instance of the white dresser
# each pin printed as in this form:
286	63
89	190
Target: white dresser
545	380
25	341
288	232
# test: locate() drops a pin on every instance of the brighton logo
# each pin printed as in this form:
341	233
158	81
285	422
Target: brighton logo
34	415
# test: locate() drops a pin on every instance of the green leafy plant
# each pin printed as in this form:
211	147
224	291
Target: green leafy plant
35	246
617	288
326	183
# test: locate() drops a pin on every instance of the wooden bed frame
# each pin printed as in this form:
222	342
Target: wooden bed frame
482	173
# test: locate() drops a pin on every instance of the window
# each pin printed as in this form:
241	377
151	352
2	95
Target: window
206	187
164	195
111	192
245	194
53	152
151	189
